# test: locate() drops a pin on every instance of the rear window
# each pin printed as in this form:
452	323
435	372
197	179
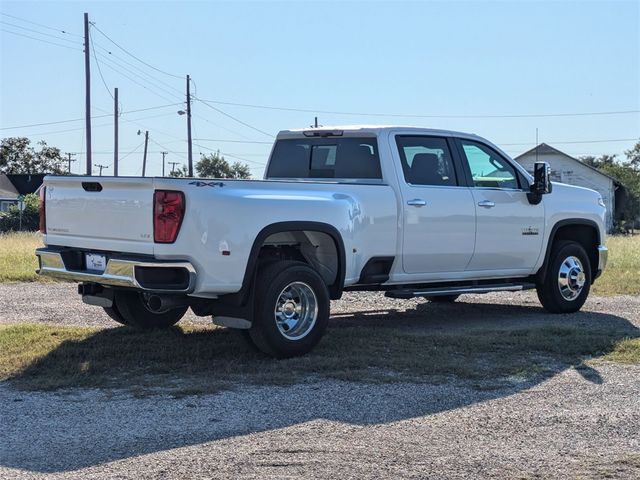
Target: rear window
346	158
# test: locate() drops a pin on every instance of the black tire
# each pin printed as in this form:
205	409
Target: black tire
115	314
549	289
271	283
133	310
443	298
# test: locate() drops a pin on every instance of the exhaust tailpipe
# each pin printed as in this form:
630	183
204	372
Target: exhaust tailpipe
162	303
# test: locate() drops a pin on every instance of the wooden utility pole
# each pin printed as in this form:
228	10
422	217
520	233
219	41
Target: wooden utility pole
69	159
87	90
144	158
115	132
173	166
163	155
101	167
190	146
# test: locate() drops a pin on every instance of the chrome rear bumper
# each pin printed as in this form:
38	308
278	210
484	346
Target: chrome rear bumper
118	272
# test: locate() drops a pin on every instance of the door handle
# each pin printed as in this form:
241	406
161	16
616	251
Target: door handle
486	204
417	202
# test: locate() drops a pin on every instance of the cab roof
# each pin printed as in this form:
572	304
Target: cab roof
342	130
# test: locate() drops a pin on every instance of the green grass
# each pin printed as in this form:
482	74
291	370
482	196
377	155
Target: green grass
191	360
18	262
622	275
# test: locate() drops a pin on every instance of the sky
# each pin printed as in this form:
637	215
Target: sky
498	69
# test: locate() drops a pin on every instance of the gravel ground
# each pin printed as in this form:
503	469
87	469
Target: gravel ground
581	423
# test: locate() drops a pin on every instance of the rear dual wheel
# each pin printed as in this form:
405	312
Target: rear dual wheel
291	310
131	308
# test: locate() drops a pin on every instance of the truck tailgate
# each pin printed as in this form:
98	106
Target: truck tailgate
100	213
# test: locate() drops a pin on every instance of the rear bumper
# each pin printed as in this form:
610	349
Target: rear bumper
603	256
143	274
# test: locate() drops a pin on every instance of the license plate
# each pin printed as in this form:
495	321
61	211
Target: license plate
96	262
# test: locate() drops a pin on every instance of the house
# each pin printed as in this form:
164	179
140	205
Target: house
8	193
14	185
570	170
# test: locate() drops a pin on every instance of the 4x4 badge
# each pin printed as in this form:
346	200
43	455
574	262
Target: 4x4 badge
207	184
530	231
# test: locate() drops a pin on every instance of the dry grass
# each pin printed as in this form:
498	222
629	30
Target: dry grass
18	262
191	360
622	275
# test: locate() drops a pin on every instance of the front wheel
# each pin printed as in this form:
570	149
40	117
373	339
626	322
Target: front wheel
567	282
132	309
291	310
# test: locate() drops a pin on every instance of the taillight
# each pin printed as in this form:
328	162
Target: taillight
168	212
41	210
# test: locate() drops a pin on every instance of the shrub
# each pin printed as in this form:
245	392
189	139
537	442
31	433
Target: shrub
10	220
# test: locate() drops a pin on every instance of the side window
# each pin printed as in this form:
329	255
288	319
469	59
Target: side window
426	161
488	169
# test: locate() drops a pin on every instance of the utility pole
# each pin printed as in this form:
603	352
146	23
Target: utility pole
144	158
69	160
115	132
100	167
173	166
190	146
87	90
163	155
315	123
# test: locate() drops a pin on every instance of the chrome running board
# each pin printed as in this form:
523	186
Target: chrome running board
458	290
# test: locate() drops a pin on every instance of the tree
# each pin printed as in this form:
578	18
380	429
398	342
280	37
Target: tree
18	156
181	171
598	162
215	166
633	155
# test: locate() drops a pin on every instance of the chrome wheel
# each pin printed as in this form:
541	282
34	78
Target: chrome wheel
296	310
571	278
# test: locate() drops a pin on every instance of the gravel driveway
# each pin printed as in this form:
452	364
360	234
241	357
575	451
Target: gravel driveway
581	423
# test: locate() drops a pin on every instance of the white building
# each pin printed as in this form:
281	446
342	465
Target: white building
570	170
8	193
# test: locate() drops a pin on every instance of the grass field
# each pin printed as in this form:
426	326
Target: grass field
622	276
17	260
190	359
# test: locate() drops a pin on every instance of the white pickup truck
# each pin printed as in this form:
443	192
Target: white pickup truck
408	211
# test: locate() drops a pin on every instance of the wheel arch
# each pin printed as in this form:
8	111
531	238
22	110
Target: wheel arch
335	289
581	230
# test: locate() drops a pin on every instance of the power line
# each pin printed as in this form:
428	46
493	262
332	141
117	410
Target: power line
410	115
75	42
131	152
231	141
99	69
147	76
133	56
137	82
40	39
233	118
93	116
41	25
115	60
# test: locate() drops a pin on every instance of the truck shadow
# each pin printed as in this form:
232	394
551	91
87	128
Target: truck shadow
382	367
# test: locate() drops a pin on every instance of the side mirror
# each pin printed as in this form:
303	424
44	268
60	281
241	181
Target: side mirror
541	182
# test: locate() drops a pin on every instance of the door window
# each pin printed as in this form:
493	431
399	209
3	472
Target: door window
488	169
426	161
